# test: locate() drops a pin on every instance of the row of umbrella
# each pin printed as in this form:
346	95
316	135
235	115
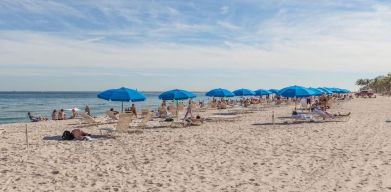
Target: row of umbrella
126	95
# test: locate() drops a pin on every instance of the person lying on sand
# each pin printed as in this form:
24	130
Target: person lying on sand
36	119
76	134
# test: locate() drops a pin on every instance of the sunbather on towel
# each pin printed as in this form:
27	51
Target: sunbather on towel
76	134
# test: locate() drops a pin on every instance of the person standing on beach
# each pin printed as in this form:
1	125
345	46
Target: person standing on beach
133	110
87	110
189	110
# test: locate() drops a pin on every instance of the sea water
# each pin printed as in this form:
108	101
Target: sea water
14	106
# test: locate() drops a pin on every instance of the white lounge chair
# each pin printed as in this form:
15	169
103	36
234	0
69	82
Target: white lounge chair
111	115
122	124
89	120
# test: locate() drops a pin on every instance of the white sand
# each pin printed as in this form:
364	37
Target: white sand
239	156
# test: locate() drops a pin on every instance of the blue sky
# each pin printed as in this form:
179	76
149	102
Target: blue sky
196	45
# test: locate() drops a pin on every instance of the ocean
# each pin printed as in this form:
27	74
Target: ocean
15	105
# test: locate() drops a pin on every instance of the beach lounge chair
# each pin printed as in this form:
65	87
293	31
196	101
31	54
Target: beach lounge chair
143	123
111	115
89	120
122	124
219	118
145	112
321	115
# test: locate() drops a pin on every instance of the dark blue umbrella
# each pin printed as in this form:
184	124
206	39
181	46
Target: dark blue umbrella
295	91
262	92
317	92
275	91
219	93
122	94
244	92
176	94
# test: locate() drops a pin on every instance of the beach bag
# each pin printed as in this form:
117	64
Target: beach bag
67	136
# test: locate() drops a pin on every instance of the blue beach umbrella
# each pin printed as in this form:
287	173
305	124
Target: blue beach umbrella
177	94
275	91
219	93
335	90
317	92
122	94
262	92
244	92
325	90
296	91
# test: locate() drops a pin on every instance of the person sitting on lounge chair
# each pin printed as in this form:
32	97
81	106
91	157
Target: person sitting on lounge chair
35	119
326	114
115	112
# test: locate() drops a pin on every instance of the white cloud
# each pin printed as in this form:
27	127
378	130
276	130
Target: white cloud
227	25
224	9
324	54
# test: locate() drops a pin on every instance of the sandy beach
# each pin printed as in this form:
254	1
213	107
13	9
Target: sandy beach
246	155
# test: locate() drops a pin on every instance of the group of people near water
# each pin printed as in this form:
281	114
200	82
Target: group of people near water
60	115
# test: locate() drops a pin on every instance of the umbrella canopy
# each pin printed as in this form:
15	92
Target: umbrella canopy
122	94
261	92
295	91
335	90
275	91
177	94
325	90
219	93
317	92
244	92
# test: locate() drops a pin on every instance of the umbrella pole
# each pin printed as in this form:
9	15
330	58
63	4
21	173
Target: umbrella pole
122	109
177	115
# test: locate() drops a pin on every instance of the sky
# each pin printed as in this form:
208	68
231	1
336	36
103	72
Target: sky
93	45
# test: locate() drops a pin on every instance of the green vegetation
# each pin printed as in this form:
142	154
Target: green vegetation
380	84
